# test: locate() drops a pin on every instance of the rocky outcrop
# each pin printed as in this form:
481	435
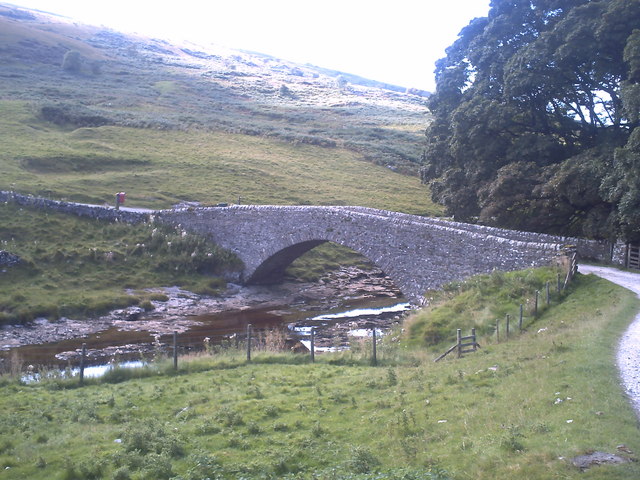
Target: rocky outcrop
584	462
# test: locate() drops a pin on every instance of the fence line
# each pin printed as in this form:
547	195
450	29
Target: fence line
254	339
463	345
459	345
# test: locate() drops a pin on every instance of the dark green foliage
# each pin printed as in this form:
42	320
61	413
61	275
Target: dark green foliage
534	106
151	436
72	61
395	474
362	460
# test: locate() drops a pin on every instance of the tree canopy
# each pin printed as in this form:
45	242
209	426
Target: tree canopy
536	112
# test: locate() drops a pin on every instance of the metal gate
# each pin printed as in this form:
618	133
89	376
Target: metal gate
633	256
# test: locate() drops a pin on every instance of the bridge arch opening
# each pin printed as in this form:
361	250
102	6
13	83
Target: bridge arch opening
310	261
273	269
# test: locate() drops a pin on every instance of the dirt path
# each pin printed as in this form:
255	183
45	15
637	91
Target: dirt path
628	355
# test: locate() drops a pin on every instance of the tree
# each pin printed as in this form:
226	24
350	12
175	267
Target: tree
72	61
530	111
621	185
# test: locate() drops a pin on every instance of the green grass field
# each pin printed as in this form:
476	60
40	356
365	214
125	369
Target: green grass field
517	409
177	129
161	168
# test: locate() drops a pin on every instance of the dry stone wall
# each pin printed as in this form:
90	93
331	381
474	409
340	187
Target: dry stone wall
79	209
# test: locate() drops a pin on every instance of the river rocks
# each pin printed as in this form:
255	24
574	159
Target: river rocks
108	353
178	312
130	314
8	259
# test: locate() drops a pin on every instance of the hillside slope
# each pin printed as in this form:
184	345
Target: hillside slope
194	123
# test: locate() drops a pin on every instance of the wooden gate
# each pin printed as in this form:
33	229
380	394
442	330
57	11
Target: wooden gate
633	256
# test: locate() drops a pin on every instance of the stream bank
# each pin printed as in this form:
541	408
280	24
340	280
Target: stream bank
133	331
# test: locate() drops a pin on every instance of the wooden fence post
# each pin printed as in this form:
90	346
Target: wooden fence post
498	330
313	346
475	343
459	342
175	350
559	287
249	342
521	315
82	359
373	338
548	294
535	307
508	322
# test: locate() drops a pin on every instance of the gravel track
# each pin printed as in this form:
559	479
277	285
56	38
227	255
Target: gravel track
628	355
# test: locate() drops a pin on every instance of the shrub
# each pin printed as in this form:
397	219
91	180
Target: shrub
362	460
152	437
229	417
72	61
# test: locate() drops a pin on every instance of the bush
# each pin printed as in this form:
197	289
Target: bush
362	460
72	61
152	437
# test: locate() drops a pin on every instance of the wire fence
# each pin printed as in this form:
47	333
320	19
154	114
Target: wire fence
101	354
503	331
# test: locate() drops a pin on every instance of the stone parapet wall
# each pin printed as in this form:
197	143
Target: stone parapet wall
416	252
598	250
79	209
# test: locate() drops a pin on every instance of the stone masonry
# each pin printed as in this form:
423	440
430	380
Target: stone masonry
417	253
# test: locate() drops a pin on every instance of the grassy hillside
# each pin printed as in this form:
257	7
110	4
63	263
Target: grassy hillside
168	123
518	409
158	168
483	299
180	123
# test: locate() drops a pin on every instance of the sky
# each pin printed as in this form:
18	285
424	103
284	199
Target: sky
395	41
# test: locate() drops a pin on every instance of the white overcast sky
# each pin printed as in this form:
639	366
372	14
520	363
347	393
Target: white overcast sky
392	41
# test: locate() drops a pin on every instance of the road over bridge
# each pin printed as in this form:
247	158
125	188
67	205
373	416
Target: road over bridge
417	253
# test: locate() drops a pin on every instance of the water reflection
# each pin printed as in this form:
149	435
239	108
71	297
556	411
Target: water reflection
130	348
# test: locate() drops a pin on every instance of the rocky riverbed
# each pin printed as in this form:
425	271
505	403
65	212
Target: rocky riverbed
181	310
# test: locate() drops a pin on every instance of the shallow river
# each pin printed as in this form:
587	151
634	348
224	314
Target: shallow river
205	324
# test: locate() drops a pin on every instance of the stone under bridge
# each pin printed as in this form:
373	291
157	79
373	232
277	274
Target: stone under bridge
417	253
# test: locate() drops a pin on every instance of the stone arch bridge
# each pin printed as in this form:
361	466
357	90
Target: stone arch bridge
417	253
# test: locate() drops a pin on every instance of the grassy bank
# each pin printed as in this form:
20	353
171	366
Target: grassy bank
517	409
75	266
484	299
